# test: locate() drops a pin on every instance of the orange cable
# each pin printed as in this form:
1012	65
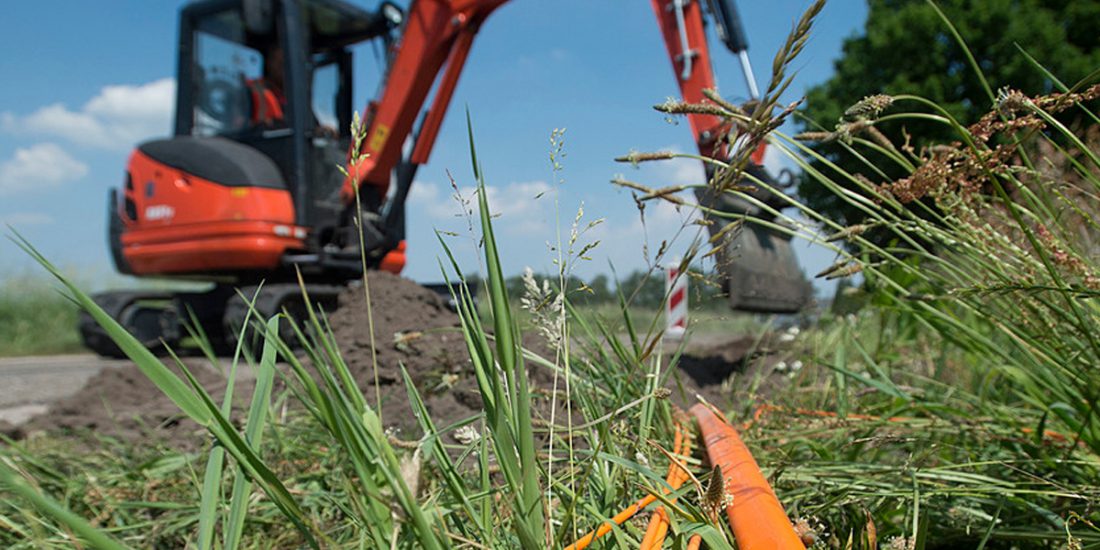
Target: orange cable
629	512
658	522
755	514
694	541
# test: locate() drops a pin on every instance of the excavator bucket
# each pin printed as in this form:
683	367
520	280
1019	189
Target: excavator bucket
760	271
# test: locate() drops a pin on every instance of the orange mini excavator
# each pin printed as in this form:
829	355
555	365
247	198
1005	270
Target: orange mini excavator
248	188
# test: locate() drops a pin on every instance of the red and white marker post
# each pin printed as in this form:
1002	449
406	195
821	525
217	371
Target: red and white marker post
676	308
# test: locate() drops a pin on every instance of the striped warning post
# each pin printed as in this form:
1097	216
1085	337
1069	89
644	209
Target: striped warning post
676	308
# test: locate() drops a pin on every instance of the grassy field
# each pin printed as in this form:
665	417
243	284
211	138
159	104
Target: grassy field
958	409
35	318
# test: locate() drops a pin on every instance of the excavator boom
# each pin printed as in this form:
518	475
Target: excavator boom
759	266
437	37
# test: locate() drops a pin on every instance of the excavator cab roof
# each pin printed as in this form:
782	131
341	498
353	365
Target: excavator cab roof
225	45
330	24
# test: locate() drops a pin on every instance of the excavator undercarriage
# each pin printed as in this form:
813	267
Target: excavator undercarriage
161	318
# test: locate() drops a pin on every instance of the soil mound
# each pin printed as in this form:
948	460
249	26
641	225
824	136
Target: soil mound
413	328
123	403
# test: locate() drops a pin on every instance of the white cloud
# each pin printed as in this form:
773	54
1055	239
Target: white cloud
517	205
437	201
560	54
39	166
424	194
518	199
117	118
124	102
680	171
24	219
669	216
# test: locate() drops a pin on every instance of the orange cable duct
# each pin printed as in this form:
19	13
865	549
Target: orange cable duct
621	517
755	515
694	542
658	522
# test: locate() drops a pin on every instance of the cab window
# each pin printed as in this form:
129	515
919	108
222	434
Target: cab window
224	66
326	90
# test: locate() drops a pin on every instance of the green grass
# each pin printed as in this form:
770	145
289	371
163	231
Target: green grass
958	409
35	318
959	461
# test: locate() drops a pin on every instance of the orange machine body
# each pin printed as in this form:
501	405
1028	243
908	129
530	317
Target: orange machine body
182	224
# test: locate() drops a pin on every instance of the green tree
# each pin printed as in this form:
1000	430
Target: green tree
644	288
598	291
907	48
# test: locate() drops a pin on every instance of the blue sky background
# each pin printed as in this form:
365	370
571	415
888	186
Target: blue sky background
85	81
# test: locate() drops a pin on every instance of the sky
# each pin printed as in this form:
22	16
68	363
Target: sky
82	89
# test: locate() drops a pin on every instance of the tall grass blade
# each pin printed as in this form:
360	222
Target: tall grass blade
529	505
211	497
254	428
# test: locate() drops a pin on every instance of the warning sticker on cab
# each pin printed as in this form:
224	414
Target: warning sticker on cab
378	138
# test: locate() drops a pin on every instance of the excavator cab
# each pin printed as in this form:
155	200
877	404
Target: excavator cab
249	183
247	189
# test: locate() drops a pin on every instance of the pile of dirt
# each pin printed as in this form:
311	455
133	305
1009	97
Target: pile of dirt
413	328
122	403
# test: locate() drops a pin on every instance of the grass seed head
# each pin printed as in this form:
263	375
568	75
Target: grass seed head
635	157
1010	101
869	108
718	495
900	543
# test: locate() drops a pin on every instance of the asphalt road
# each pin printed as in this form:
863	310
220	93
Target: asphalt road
29	384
